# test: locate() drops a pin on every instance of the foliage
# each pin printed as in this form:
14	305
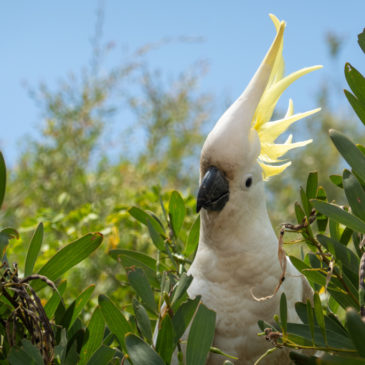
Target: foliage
38	326
333	321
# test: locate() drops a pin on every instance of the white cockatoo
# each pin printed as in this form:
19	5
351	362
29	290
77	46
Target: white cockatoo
237	252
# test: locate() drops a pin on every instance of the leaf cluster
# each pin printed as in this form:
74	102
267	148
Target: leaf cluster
333	262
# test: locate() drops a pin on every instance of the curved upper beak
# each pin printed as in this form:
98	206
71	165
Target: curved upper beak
213	191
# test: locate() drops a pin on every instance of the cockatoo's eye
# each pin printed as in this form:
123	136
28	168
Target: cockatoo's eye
247	181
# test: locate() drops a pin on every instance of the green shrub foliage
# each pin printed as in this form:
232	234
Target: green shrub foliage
333	260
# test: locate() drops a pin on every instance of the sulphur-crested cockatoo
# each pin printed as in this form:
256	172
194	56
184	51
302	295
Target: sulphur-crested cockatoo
237	252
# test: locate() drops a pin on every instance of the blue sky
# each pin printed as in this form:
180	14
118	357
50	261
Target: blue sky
45	40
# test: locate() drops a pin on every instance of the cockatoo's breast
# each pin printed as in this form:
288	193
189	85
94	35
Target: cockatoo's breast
225	284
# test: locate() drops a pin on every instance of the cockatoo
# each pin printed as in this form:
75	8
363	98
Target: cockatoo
237	251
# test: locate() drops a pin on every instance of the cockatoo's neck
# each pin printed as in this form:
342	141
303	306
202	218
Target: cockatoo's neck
243	226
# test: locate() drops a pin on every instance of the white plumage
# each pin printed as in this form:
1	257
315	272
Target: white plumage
237	249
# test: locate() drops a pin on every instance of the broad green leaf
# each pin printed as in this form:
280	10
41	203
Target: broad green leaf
193	238
177	212
183	316
305	313
312	185
354	157
140	284
356	82
318	311
155	236
102	356
339	215
33	251
144	218
310	318
322	220
68	257
133	258
2	179
28	354
299	358
76	307
201	336
305	202
283	313
356	105
182	286
165	340
356	328
95	329
311	275
334	339
143	322
343	299
114	319
299	212
337	180
361	40
141	353
340	252
335	231
54	301
354	193
346	236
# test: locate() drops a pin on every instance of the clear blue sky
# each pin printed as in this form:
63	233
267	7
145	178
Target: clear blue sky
44	40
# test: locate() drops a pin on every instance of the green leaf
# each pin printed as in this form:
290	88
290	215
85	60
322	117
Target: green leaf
312	185
341	253
2	179
27	354
68	257
283	313
361	40
335	232
33	251
165	340
312	276
299	212
76	307
182	286
114	319
54	301
177	212
356	105
337	180
201	336
96	333
143	322
310	319
141	353
155	236
144	218
356	329
130	258
102	356
183	316
356	82
354	157
193	238
305	202
354	193
318	311
339	215
300	359
322	220
140	284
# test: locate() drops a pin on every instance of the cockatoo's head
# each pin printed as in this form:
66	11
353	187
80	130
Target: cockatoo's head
239	153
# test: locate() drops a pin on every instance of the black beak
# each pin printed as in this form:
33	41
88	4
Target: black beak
214	191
